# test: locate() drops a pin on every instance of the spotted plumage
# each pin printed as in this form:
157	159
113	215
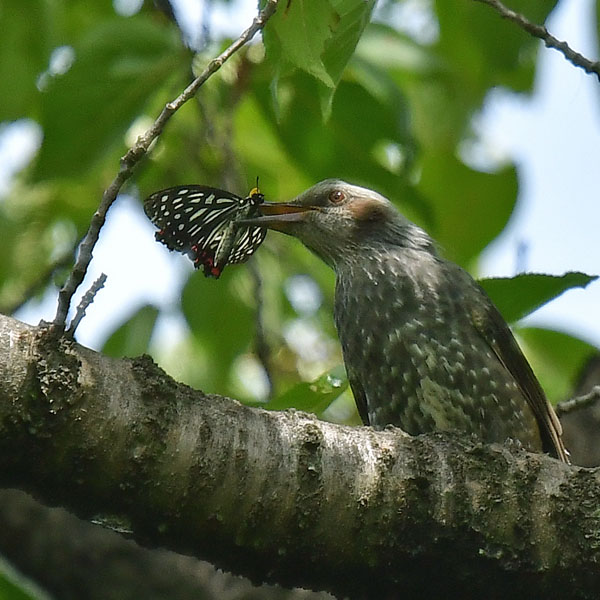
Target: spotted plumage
424	347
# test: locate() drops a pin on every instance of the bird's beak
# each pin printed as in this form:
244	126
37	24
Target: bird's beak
278	215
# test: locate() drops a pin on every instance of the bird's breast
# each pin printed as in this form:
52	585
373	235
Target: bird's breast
414	355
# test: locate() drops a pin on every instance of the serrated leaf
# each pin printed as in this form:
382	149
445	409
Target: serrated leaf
132	338
301	31
518	296
316	36
313	396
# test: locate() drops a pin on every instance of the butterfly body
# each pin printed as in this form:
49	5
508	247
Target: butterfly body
200	221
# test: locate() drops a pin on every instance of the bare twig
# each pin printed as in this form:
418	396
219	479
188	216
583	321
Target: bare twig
87	299
539	31
133	157
569	406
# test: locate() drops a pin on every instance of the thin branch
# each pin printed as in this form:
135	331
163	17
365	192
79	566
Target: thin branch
133	157
539	31
87	299
569	406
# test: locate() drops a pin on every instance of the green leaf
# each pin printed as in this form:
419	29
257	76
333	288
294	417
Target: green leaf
483	50
556	359
438	108
347	148
14	586
518	296
470	207
118	65
221	316
132	338
316	36
24	49
382	46
313	396
297	34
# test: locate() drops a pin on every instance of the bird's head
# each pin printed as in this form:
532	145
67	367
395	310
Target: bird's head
336	220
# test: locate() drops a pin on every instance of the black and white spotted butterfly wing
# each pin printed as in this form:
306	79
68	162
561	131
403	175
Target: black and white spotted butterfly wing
200	221
246	242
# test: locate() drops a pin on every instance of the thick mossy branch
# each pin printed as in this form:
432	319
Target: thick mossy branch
283	497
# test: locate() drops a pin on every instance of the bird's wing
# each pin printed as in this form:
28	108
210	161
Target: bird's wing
494	330
360	398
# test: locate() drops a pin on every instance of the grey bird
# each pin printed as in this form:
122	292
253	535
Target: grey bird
425	348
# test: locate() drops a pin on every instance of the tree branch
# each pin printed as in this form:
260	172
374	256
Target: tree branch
133	157
87	299
284	497
41	541
579	402
542	33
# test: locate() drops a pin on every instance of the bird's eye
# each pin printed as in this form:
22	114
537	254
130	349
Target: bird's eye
337	196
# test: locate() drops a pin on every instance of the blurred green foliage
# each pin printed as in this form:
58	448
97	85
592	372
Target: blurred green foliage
133	336
328	95
14	586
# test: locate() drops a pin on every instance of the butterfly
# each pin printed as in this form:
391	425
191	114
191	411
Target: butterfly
199	221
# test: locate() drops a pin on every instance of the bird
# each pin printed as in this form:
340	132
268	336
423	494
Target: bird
425	348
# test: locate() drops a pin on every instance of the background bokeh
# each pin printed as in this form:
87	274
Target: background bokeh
477	132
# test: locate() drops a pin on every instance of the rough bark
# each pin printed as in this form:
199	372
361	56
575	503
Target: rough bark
283	497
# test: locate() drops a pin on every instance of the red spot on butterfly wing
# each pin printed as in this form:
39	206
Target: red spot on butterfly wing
206	259
159	206
213	272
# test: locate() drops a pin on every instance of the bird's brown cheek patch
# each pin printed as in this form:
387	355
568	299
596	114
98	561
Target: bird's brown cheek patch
366	210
